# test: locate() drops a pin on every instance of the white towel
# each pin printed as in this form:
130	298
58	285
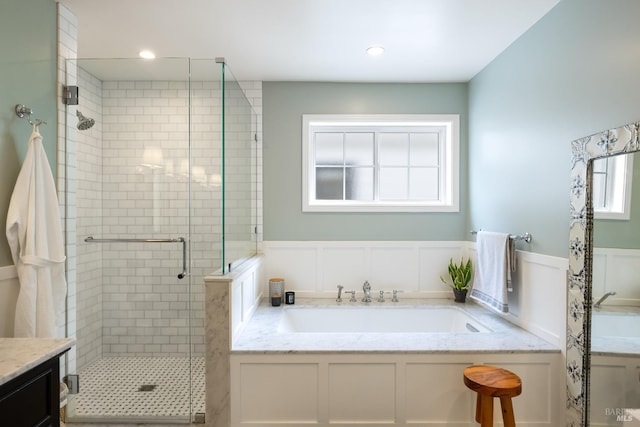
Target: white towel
495	263
34	234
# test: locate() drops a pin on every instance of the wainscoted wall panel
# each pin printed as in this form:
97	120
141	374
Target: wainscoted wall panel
353	390
617	378
9	287
316	268
394	267
453	404
617	270
394	389
539	299
433	262
540	382
348	265
296	263
297	403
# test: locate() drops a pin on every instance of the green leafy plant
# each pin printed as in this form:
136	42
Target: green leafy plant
459	275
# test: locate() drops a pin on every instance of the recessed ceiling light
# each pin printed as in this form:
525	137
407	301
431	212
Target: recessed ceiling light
147	54
375	50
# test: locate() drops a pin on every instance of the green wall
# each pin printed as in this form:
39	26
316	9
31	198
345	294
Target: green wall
27	76
623	234
284	103
574	73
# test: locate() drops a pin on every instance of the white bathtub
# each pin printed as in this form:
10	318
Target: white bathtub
345	319
620	325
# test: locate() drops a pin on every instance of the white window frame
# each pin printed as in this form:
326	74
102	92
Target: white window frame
449	195
618	187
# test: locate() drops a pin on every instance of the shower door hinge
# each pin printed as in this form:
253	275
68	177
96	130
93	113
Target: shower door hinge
73	383
70	95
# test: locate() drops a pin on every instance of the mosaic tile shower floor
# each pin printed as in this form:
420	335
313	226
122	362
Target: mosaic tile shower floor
112	389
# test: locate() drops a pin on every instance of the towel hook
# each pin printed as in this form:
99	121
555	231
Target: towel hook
22	110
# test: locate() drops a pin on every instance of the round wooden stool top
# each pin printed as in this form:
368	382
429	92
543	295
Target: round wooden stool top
492	381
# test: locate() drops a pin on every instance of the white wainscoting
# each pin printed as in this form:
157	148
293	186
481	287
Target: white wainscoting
314	269
539	298
9	287
617	270
617	380
384	389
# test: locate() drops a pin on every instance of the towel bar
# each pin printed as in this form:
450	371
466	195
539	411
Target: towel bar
526	236
182	240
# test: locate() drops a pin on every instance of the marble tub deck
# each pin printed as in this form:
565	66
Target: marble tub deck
261	335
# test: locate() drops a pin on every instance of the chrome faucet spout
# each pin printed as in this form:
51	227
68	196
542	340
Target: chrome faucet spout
340	288
602	298
367	292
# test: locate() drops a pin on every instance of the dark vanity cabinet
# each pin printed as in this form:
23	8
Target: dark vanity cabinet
32	398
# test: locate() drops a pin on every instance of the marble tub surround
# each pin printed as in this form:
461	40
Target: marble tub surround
229	301
18	355
261	333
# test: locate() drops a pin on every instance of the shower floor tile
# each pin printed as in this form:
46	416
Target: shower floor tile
138	389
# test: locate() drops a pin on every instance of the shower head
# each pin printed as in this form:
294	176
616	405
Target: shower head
84	123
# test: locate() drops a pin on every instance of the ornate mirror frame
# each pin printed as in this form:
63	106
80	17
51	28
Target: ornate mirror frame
607	143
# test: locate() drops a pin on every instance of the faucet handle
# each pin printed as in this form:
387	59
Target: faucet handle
395	295
381	297
353	295
339	299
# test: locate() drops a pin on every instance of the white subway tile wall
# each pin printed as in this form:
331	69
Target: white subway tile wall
133	183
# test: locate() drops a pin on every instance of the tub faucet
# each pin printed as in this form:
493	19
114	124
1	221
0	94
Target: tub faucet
353	295
367	292
340	288
602	298
381	297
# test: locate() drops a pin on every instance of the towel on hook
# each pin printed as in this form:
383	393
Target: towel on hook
34	233
495	263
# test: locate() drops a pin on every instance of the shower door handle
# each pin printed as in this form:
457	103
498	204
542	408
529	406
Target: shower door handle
182	240
184	258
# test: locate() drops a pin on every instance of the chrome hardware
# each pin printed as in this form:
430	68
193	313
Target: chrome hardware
381	297
182	275
527	237
353	295
70	95
602	298
340	288
395	296
367	292
22	111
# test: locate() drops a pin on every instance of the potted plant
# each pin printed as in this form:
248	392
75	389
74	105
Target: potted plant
459	279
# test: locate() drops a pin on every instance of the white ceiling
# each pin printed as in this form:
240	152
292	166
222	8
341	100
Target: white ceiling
312	40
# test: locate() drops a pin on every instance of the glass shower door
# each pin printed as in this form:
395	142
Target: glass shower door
131	301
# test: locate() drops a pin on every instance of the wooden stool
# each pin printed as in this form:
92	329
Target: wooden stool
490	382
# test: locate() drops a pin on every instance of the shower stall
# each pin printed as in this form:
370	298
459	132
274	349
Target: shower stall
162	190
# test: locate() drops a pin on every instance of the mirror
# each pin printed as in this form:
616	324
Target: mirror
614	386
603	357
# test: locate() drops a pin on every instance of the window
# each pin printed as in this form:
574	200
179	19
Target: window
380	163
612	178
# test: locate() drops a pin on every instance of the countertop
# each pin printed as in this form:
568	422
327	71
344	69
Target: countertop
18	355
261	335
